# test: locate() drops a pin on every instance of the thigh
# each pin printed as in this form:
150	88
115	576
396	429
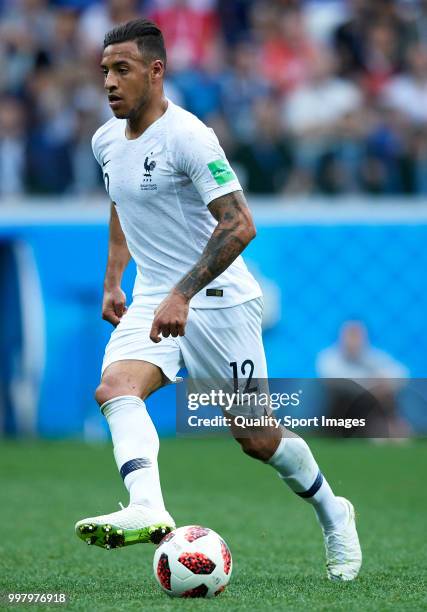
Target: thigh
130	377
130	342
223	351
225	343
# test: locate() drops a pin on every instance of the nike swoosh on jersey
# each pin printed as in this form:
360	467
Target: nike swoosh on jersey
104	163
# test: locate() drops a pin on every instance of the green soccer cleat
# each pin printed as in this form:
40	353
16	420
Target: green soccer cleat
132	525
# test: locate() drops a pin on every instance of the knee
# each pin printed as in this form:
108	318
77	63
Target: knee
107	390
259	447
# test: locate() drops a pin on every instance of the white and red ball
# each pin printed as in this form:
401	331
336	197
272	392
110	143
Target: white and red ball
192	561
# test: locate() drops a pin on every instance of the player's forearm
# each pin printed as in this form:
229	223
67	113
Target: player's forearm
118	253
118	259
233	233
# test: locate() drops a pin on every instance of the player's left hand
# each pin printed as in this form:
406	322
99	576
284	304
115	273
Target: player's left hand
170	317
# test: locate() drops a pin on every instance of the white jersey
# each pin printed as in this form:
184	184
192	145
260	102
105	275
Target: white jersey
161	184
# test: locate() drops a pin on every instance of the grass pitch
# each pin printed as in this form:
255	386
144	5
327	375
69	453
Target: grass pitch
274	538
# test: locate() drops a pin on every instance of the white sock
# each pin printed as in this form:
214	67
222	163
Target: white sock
297	467
136	446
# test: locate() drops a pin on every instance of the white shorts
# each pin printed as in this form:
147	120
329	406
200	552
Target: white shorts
214	339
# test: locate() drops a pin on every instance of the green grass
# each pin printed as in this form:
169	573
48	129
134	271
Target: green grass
276	543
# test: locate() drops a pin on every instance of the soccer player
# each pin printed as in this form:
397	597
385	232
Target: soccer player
178	210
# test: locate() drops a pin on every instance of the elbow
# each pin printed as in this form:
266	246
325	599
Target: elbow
248	227
248	233
253	232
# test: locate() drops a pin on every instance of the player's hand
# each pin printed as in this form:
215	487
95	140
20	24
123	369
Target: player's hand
170	317
113	305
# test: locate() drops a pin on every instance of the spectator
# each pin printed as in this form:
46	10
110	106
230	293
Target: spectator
30	18
242	87
225	58
90	110
419	20
407	93
100	17
383	167
51	132
200	87
362	382
353	357
235	19
373	40
349	40
266	161
383	60
419	157
324	116
287	51
323	18
189	32
12	147
25	34
64	45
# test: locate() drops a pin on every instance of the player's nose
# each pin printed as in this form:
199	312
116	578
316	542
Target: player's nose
110	83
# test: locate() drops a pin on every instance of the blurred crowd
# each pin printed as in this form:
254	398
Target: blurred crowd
307	97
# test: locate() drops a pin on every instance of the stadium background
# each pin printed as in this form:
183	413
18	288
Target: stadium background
322	108
321	105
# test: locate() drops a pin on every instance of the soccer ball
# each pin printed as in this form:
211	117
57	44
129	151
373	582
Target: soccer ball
192	561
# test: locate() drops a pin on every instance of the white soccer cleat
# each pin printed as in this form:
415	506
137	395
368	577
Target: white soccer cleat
132	525
343	553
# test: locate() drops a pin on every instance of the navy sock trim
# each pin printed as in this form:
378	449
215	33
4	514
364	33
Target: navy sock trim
314	487
134	464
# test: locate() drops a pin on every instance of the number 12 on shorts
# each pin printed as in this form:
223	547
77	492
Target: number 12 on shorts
247	369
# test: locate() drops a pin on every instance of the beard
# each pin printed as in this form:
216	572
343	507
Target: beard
135	112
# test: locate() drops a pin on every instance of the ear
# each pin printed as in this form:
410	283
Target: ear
157	70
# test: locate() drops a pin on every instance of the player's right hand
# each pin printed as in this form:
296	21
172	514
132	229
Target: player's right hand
113	305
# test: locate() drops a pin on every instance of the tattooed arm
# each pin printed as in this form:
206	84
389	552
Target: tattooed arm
234	231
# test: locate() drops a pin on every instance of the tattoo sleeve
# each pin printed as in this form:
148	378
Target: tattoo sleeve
234	231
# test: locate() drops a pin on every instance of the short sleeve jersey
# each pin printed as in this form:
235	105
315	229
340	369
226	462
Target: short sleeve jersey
161	184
